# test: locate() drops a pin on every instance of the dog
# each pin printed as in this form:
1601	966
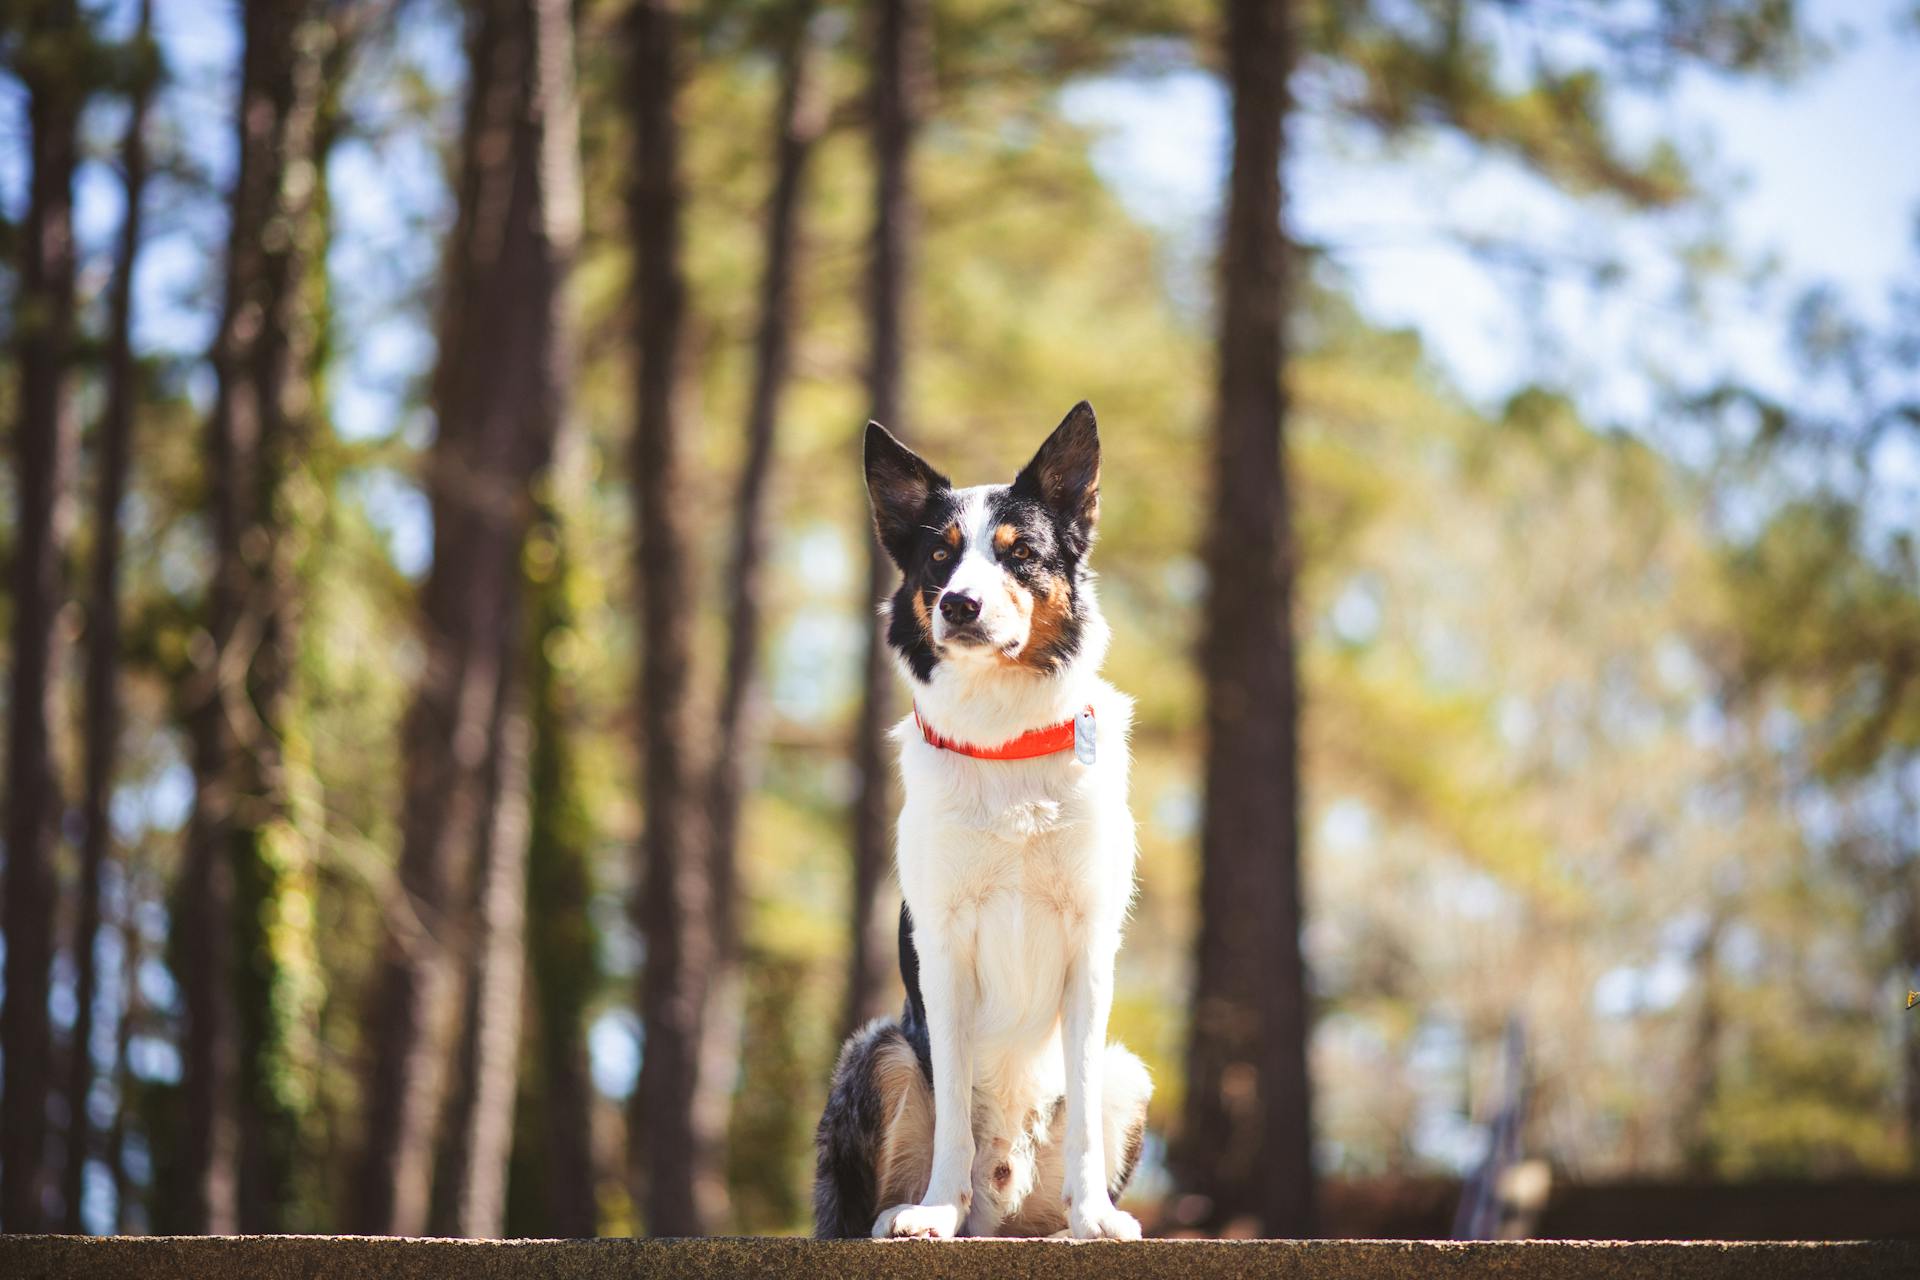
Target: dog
993	1105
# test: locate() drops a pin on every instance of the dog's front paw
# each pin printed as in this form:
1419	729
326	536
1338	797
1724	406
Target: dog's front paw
1102	1221
931	1221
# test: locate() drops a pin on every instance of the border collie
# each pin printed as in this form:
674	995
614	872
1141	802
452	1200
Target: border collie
993	1105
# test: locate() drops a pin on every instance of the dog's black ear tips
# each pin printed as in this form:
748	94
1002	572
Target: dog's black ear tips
875	441
1078	435
881	454
1066	470
885	457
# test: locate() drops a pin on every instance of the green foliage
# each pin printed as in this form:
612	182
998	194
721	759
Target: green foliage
1798	1100
1841	628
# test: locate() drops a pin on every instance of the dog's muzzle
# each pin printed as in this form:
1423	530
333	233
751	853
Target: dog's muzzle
960	621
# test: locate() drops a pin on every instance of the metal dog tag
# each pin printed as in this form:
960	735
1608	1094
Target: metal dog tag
1083	736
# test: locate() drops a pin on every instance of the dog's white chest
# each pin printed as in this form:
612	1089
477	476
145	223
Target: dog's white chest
1012	868
1046	871
1025	912
985	835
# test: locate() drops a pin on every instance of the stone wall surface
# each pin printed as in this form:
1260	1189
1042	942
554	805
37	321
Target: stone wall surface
365	1258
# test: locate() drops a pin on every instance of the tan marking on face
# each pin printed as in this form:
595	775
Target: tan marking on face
1022	601
1047	619
905	1163
953	536
1005	536
922	615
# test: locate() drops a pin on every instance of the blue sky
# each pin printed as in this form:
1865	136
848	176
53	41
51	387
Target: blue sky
1824	181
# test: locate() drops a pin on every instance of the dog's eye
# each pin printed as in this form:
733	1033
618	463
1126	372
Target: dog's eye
939	554
1022	551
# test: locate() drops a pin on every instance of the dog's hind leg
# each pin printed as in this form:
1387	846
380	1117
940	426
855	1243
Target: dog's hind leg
905	1159
874	1145
1125	1090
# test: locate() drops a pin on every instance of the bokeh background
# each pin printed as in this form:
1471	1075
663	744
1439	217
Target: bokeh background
442	780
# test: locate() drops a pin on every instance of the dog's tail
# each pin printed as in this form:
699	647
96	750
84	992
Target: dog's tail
846	1145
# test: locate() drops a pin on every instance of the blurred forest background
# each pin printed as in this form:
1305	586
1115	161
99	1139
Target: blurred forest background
443	779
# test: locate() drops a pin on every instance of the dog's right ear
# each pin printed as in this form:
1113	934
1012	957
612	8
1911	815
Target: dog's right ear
899	482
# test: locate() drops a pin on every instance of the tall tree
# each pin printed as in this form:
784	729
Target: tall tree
894	100
486	1064
551	1188
680	1190
546	149
551	1185
454	922
1247	1133
280	984
50	65
102	726
799	116
1246	1137
126	1194
242	846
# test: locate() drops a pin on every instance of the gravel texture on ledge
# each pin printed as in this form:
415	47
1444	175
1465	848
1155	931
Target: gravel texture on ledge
363	1258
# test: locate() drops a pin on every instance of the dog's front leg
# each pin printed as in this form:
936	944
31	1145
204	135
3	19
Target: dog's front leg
1089	999
947	981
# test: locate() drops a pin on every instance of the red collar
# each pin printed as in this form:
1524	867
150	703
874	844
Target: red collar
1047	741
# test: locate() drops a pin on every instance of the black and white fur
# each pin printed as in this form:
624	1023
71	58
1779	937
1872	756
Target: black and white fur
994	1105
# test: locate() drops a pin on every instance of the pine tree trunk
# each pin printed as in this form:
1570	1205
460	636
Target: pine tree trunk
242	850
552	1190
488	1062
497	396
279	986
200	1195
132	955
103	630
678	1191
1699	1085
898	35
44	442
1246	1140
546	161
551	1185
559	883
798	120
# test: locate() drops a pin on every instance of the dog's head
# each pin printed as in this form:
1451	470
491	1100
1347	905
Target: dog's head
994	574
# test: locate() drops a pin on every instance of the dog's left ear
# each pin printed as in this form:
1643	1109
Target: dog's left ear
1065	473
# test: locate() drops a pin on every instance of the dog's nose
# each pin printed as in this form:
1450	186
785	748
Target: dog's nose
959	608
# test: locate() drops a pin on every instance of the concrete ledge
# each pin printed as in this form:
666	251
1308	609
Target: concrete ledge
362	1258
